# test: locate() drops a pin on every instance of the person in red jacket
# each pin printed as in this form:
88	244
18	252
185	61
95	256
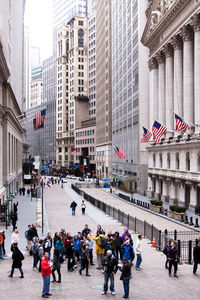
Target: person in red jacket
46	272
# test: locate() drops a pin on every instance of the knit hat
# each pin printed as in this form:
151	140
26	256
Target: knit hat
109	252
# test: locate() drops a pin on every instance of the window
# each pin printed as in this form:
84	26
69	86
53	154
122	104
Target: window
80	38
177	161
168	161
187	161
60	149
80	23
154	160
160	156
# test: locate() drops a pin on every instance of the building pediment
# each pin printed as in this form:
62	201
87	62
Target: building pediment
160	14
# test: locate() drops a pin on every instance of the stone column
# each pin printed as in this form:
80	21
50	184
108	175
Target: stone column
193	198
161	87
169	107
196	28
150	187
153	91
176	43
181	200
188	75
172	193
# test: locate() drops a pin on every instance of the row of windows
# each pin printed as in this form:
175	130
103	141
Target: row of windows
85	133
86	141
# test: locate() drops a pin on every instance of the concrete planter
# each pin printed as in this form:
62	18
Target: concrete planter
177	216
155	208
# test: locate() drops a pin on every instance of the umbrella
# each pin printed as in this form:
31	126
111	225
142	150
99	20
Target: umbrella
106	179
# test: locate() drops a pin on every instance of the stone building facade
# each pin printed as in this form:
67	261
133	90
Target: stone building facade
172	34
11	95
72	86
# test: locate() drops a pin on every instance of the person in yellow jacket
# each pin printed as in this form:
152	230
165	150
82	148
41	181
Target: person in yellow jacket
99	251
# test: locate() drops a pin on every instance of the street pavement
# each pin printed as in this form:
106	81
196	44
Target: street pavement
152	282
158	221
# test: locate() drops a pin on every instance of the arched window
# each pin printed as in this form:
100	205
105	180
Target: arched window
80	38
187	161
168	161
177	161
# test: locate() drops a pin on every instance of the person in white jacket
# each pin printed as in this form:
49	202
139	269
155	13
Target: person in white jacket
15	236
138	252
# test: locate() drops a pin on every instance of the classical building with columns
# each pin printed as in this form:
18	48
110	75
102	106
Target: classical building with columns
172	34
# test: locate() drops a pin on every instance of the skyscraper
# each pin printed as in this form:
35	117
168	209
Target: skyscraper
103	88
129	95
63	11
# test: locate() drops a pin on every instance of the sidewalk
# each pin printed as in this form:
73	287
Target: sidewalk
144	215
26	216
151	283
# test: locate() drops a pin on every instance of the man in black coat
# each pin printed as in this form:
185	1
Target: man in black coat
32	232
196	255
17	257
110	268
73	207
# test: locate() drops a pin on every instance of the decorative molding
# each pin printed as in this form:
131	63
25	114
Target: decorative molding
160	57
195	22
168	50
186	33
176	42
153	63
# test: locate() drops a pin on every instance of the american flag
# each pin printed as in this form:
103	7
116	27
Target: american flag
119	152
180	124
146	136
158	131
39	119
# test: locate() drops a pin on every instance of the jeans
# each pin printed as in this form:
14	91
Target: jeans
46	285
91	256
195	266
35	260
1	252
108	276
174	263
59	274
126	281
12	271
139	260
73	211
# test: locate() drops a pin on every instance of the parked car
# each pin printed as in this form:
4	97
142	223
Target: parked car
73	177
64	180
81	179
69	176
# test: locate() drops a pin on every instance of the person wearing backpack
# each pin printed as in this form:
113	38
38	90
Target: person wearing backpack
84	259
34	249
48	244
17	258
99	249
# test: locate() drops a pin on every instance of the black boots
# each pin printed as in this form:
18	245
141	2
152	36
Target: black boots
22	275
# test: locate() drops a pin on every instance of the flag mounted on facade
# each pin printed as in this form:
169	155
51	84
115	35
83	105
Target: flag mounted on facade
119	152
180	124
73	149
146	136
38	122
158	130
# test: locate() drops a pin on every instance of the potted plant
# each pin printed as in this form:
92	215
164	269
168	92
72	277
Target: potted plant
177	212
156	206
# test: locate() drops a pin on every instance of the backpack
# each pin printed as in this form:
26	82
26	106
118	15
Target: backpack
165	250
103	243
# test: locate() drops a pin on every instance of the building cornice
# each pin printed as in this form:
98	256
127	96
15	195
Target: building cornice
151	34
4	70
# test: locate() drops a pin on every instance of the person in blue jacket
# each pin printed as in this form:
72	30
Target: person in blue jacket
76	242
128	251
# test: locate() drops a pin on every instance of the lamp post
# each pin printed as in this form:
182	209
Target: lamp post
42	208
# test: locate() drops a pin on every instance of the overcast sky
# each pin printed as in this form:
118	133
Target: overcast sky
38	17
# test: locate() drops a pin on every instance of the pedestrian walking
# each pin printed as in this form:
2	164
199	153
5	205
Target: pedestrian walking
1	245
17	258
28	192
33	232
83	207
56	265
173	259
23	191
73	207
28	238
165	251
34	249
46	272
69	250
110	268
84	260
125	276
20	191
15	236
138	252
14	219
15	207
196	256
89	244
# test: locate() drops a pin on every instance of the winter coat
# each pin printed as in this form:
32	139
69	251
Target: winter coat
17	257
89	244
59	245
119	242
40	251
32	232
172	253
128	252
125	269
76	244
110	264
196	254
125	234
34	248
45	267
56	262
69	248
97	239
14	237
47	244
73	204
138	249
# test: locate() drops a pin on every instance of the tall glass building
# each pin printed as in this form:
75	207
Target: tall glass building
129	98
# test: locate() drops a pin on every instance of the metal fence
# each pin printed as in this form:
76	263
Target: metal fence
185	240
